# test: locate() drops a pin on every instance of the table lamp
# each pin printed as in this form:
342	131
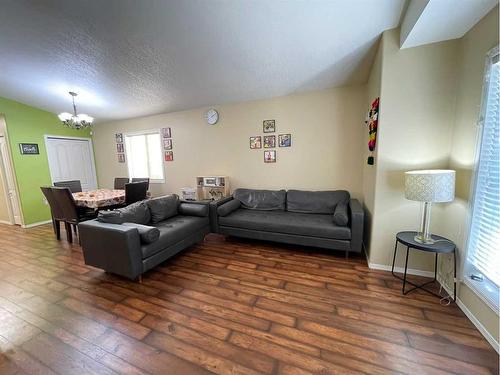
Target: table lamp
429	186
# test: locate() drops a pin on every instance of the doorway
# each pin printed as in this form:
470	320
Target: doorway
71	158
9	202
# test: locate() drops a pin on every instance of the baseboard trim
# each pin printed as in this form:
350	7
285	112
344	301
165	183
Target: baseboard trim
491	340
5	222
495	344
410	271
36	224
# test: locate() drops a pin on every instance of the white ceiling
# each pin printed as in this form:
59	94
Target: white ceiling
129	58
430	21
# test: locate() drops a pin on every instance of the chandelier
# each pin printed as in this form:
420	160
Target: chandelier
74	120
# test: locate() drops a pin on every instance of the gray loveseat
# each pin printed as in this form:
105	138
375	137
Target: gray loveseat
132	240
325	219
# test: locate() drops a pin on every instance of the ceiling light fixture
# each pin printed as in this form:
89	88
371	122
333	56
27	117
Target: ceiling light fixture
74	120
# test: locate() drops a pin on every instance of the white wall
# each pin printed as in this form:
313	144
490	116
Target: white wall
4	213
4	204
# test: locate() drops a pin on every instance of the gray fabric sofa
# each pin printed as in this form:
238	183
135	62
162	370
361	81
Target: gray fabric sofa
132	240
325	219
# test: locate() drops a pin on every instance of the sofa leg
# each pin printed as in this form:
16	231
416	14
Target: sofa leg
139	279
347	254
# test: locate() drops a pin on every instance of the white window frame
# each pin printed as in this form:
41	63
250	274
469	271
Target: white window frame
145	132
485	289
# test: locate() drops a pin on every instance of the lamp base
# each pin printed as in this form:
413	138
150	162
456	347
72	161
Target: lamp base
420	238
424	235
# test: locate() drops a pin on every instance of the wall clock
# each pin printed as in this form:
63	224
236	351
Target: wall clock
212	116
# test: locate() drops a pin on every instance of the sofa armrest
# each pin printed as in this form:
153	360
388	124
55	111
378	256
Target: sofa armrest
114	248
357	222
193	208
214	218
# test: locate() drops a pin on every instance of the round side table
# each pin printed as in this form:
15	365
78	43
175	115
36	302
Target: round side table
441	246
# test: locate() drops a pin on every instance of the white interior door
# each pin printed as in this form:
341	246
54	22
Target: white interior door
7	179
71	159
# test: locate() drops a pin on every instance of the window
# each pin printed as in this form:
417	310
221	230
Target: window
482	268
144	155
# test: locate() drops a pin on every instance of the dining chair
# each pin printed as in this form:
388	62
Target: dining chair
120	182
135	191
67	207
55	210
75	186
141	179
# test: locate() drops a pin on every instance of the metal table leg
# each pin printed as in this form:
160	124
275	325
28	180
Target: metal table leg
406	268
394	258
454	275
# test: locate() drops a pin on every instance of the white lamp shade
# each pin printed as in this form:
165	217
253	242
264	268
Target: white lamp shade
433	185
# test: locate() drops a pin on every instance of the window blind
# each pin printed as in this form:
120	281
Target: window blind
483	251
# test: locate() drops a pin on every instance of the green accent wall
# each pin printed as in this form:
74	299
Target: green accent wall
26	124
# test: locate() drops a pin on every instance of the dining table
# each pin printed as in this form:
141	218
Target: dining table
100	198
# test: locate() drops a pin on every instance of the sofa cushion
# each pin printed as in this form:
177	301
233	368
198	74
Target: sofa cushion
173	230
341	214
146	233
228	207
110	217
265	200
193	209
314	202
163	207
137	212
314	225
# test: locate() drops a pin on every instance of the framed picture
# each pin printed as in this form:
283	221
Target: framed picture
269	126
119	137
121	158
29	148
119	148
270	156
284	140
167	144
166	133
269	141
169	156
255	142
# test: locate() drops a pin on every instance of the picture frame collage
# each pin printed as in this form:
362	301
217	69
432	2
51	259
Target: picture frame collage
167	144
269	141
120	147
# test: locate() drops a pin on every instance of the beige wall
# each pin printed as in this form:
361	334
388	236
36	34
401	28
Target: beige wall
416	119
327	150
430	102
369	171
472	56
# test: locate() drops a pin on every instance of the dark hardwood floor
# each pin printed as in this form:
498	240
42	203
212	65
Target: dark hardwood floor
228	307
